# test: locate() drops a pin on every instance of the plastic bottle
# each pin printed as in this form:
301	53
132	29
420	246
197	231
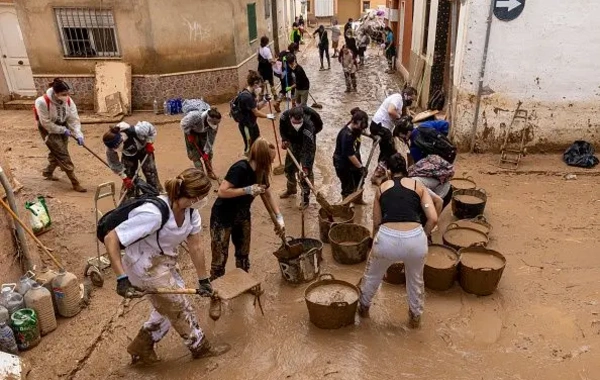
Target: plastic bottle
10	299
7	339
66	294
155	107
39	299
166	107
4	316
25	325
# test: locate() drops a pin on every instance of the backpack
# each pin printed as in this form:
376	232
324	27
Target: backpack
235	110
430	141
47	99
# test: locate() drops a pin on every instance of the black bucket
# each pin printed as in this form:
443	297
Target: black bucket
468	203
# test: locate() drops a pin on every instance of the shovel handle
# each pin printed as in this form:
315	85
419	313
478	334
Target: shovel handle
275	133
93	153
312	188
281	233
178	291
137	174
376	140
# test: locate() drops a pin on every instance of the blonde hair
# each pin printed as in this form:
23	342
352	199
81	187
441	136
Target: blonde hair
191	183
260	153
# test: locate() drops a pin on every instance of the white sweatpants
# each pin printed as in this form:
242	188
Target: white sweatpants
391	246
169	309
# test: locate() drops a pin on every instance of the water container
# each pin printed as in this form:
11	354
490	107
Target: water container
7	339
45	278
166	107
26	328
155	107
66	294
25	282
4	316
10	299
39	299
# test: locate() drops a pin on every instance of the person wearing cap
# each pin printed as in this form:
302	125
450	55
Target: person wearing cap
136	144
57	119
200	129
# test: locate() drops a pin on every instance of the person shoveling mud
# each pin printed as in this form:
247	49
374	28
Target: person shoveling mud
151	234
200	129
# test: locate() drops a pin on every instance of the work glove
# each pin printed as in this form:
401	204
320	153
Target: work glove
67	132
254	190
126	290
364	171
205	288
271	116
149	148
285	144
288	89
80	141
128	183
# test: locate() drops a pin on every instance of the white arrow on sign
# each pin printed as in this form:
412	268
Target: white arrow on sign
509	4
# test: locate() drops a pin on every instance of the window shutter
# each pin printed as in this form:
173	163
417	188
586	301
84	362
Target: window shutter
252	30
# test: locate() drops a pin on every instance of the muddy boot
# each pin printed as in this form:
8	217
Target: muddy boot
291	190
414	321
363	311
142	348
75	182
211	174
214	311
205	349
276	106
49	177
243	264
303	204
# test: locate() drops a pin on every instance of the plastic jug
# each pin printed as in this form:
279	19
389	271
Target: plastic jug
45	278
25	282
39	299
4	316
26	328
10	299
66	294
7	339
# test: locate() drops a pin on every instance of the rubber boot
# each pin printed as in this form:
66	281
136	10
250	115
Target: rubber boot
49	176
142	348
211	174
214	310
363	311
303	204
414	321
206	349
291	190
75	182
243	264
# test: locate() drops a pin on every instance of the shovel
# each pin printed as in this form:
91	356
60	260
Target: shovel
358	193
320	198
93	153
315	104
294	250
206	162
137	174
279	170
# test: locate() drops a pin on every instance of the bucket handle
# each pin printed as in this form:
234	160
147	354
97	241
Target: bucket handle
452	226
10	284
479	244
481	218
339	304
482	190
326	276
30	275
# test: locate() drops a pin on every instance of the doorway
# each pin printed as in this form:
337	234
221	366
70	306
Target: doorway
13	56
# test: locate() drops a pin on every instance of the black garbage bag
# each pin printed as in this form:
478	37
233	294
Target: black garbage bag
580	154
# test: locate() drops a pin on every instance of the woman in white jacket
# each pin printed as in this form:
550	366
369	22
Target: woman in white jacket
57	120
200	129
135	143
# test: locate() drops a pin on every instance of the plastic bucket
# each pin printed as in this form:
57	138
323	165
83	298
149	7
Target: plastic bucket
480	270
440	269
335	314
350	243
395	274
468	203
304	267
341	214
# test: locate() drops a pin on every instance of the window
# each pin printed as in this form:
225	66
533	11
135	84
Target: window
252	31
323	8
366	6
87	32
426	27
308	9
267	8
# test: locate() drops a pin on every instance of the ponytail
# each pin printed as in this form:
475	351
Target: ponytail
191	183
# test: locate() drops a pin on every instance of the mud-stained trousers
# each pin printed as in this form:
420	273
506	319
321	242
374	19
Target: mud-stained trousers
391	246
169	310
291	169
59	155
131	164
220	233
350	81
386	145
250	133
192	151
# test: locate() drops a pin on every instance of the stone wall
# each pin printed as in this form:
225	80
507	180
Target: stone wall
82	89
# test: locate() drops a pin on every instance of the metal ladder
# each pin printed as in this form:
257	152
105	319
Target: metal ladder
511	154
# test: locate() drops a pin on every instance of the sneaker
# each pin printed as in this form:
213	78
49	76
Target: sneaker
77	187
348	90
363	311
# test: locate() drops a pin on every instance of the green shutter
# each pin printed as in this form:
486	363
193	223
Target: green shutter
252	31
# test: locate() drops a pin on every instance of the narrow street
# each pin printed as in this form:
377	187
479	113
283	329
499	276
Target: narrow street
543	322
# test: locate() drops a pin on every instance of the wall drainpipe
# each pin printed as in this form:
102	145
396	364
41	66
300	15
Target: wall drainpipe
482	75
453	33
10	196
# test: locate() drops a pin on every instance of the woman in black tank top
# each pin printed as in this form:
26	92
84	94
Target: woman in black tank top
399	236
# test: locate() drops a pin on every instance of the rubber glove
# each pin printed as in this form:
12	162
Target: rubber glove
288	89
280	221
128	183
126	290
205	288
149	148
67	132
80	141
254	190
271	116
190	138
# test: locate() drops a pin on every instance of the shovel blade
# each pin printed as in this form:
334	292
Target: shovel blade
279	170
352	198
326	205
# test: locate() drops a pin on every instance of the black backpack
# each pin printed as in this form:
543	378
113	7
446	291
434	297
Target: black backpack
430	141
235	110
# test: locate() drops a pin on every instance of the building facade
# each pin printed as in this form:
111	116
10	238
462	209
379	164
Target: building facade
341	10
544	58
176	48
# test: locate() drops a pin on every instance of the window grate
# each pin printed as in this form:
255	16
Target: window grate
87	32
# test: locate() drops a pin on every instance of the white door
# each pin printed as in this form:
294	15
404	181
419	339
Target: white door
13	55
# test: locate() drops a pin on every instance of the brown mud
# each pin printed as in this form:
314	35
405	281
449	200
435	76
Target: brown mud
541	322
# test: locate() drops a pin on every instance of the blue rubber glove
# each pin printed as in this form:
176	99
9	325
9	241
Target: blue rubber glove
80	141
67	132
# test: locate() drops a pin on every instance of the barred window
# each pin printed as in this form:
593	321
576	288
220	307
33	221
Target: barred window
87	32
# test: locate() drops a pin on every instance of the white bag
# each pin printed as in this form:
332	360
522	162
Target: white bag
39	217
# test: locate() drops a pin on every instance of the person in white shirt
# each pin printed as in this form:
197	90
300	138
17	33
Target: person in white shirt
150	262
335	38
382	125
265	64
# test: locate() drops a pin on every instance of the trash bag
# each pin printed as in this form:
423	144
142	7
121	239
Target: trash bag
39	216
580	154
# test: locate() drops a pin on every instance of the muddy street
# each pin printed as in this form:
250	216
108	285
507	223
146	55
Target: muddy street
543	322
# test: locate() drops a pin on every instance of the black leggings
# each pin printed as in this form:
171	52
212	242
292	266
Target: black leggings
349	179
324	50
386	145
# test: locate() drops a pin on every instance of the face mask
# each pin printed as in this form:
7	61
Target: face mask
258	91
62	98
408	102
214	124
297	126
200	204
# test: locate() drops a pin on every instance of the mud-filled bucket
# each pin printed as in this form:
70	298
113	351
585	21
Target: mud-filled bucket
468	203
479	223
350	243
463	237
480	270
304	267
395	274
341	214
462	183
440	267
331	303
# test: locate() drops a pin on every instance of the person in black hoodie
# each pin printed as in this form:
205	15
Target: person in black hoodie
346	157
298	128
301	83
